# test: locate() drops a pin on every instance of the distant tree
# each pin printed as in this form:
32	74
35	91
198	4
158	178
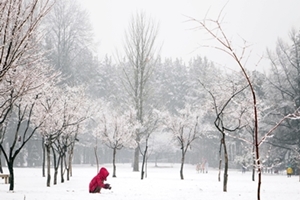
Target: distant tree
284	92
185	127
68	41
140	61
92	126
172	83
108	86
161	146
117	130
151	123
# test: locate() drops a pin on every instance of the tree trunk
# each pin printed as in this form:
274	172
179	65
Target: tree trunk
10	165
253	167
1	169
48	165
182	163
70	158
70	172
114	162
97	160
299	171
220	160
136	160
43	156
146	167
62	180
55	176
55	167
67	166
143	162
258	169
70	163
226	165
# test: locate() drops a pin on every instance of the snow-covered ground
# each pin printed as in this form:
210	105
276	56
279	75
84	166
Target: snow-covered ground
161	183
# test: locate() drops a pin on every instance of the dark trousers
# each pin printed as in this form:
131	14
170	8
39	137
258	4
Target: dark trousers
96	190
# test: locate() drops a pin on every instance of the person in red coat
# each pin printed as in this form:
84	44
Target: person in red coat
98	181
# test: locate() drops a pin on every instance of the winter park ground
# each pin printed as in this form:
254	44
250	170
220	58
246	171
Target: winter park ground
161	183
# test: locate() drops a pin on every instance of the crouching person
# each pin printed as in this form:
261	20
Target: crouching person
97	183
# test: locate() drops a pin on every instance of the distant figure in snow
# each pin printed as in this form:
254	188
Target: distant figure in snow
289	171
98	181
198	167
206	166
244	169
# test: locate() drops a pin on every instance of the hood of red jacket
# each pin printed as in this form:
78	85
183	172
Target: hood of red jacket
103	174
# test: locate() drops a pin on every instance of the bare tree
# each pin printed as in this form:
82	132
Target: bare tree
151	123
185	129
21	124
215	30
19	21
68	41
226	122
65	114
141	56
19	39
284	91
117	131
92	126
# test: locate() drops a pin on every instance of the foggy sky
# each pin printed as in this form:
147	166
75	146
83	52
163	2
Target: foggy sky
260	22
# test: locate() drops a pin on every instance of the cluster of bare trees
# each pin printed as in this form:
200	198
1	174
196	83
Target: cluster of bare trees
31	98
22	68
139	82
287	60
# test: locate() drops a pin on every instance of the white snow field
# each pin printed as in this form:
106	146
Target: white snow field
161	183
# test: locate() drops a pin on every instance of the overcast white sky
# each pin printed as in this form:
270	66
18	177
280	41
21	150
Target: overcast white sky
260	22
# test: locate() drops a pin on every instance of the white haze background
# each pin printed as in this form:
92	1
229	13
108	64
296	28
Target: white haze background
259	22
162	183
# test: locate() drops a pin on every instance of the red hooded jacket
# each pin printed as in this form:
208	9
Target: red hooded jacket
98	179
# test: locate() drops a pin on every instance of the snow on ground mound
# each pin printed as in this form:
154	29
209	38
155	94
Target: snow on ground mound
162	182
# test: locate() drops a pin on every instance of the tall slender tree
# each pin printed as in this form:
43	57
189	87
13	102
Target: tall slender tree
228	119
140	53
